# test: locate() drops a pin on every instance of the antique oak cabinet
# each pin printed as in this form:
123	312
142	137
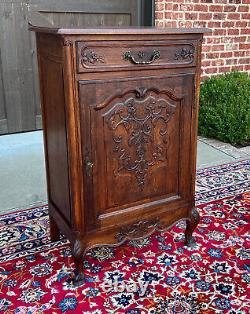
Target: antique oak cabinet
120	124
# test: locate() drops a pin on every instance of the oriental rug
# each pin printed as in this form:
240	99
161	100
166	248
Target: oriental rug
213	276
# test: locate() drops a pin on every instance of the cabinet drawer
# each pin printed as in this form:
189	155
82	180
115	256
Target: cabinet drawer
122	55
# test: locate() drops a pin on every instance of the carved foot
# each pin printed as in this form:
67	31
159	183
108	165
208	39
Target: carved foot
192	223
77	278
54	230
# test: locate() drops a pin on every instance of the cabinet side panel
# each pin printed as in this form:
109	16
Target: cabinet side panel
56	139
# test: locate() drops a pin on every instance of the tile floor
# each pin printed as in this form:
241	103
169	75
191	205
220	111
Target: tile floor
22	170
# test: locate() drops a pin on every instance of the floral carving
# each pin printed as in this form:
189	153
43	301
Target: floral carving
90	56
138	151
137	230
185	54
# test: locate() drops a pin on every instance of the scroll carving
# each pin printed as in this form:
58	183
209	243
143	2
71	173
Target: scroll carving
137	230
143	120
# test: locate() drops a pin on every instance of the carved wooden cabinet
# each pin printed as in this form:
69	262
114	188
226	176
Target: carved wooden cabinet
120	122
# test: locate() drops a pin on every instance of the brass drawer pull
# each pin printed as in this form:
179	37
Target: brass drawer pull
142	57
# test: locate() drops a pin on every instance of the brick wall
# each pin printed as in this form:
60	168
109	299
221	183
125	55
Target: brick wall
228	46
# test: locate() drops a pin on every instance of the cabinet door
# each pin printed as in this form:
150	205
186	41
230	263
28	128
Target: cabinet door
136	142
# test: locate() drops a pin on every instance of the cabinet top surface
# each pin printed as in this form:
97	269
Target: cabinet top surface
116	30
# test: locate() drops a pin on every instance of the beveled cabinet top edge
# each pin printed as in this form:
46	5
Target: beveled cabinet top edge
117	30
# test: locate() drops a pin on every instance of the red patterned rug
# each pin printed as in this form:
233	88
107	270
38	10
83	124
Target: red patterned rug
156	275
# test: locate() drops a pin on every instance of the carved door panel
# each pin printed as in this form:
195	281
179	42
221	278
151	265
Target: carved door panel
136	138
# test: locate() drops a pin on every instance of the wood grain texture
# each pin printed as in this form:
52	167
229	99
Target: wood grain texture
125	138
16	67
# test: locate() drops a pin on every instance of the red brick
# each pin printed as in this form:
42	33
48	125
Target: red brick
205	16
231	61
244	61
219	32
200	7
241	24
212	55
226	47
200	24
206	63
230	8
233	16
206	48
219	16
159	6
203	56
234	31
237	68
216	8
245	16
240	53
179	23
227	40
191	16
247	67
235	1
187	24
213	40
228	24
224	69
240	39
171	24
211	34
214	24
168	6
244	46
159	15
159	24
211	70
176	15
217	62
243	8
217	48
228	54
186	7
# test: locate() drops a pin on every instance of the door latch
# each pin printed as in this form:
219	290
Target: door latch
89	166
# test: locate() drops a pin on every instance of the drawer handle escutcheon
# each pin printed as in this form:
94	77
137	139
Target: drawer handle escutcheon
128	55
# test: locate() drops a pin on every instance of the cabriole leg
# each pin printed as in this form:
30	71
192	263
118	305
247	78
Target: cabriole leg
78	249
192	223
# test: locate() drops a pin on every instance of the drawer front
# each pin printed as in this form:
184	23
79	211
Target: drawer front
118	55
